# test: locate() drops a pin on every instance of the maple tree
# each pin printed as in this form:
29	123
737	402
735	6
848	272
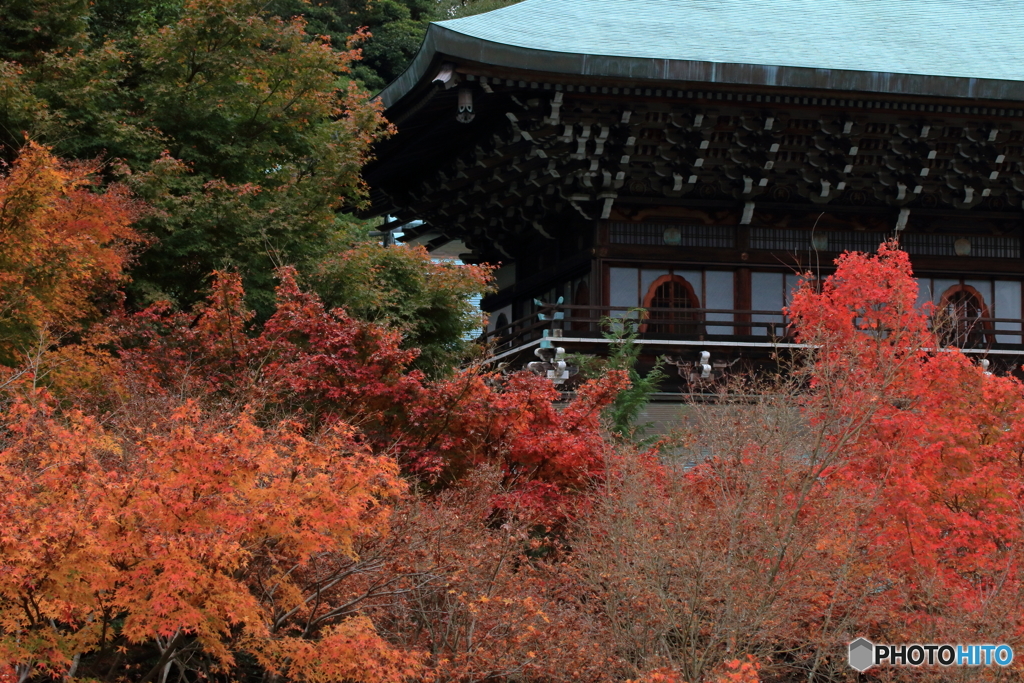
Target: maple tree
225	487
242	130
331	366
935	453
402	287
871	490
63	245
270	137
189	540
695	564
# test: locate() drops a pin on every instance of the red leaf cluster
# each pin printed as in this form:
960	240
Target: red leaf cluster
929	440
326	366
223	491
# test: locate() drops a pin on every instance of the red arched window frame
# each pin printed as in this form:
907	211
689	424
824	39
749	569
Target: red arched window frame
687	324
986	327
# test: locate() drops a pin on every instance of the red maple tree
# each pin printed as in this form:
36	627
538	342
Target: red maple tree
220	477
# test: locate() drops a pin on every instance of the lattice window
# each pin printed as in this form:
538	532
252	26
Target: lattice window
983	246
662	234
672	299
636	233
916	244
780	239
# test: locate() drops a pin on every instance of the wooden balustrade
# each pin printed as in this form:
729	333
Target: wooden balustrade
584	321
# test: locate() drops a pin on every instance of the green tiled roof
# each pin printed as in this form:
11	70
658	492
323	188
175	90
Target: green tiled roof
966	38
958	48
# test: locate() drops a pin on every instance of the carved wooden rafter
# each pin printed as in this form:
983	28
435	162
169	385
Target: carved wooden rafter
561	153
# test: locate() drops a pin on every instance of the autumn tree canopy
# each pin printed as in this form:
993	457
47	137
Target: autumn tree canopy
63	247
191	494
243	131
243	126
239	443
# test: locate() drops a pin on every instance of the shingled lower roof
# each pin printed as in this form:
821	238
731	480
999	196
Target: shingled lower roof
950	48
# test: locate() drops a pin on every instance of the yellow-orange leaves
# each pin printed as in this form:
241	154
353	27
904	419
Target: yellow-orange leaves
62	244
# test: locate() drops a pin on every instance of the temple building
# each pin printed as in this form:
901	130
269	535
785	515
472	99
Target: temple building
693	157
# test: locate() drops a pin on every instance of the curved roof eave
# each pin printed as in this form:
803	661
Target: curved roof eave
441	41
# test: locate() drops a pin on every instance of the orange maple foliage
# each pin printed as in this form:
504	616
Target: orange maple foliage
215	501
184	529
63	243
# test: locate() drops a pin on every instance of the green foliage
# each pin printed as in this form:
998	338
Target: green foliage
454	9
30	28
623	354
243	131
404	289
93	111
124	19
390	50
273	138
396	28
20	109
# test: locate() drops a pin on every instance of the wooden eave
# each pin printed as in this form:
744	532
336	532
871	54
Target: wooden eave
442	42
490	182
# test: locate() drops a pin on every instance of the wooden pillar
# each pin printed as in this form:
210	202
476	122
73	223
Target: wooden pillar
742	300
